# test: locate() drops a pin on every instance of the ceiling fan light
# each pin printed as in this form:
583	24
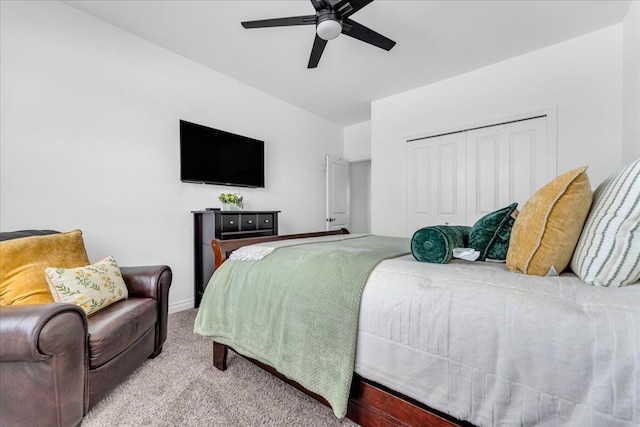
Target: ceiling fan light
328	29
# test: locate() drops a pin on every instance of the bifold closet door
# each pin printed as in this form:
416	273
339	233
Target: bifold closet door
505	164
458	178
436	181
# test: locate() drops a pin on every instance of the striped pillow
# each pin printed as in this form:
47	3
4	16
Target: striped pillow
608	252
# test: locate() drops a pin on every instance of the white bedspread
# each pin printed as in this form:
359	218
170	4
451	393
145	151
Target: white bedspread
499	348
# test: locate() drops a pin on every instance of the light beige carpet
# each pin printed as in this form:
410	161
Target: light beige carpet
181	387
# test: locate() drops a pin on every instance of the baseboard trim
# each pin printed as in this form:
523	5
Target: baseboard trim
181	306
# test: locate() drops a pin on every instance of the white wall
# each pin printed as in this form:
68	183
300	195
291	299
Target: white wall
631	84
357	142
582	77
90	139
360	196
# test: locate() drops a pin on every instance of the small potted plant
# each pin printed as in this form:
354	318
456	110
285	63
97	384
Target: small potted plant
231	201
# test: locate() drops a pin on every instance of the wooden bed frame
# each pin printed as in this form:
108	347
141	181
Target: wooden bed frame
370	404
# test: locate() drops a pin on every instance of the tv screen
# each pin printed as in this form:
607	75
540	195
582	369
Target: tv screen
213	156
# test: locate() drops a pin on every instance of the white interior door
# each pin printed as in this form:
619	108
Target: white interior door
337	176
436	177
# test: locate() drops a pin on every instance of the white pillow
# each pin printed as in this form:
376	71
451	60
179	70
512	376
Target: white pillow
608	251
92	287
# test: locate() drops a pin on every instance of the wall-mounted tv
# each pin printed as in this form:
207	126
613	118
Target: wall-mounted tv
213	156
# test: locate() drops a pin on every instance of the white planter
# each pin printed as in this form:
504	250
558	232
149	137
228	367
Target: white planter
230	207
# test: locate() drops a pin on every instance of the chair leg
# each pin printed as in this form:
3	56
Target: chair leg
155	353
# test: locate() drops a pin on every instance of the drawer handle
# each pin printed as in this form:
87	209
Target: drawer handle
267	221
230	222
250	221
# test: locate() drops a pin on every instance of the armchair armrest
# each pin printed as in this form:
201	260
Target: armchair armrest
152	281
43	364
26	333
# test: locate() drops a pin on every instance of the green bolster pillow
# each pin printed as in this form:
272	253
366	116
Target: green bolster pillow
435	243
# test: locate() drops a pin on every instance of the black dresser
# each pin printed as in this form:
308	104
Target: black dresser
224	225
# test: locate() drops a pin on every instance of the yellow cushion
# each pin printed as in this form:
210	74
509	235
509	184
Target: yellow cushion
24	260
547	230
92	287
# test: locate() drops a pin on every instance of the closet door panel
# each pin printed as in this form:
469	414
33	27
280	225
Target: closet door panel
483	164
423	186
522	179
529	155
504	165
446	181
435	182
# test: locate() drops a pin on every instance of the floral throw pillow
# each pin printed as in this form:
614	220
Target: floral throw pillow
92	287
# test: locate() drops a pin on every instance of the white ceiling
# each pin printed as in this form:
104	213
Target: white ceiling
435	40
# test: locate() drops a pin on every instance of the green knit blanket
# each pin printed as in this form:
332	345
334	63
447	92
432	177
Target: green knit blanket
297	309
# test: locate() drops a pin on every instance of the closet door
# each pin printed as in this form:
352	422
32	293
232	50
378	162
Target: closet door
458	178
505	164
436	181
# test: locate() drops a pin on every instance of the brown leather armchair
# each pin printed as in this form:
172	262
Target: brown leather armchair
56	363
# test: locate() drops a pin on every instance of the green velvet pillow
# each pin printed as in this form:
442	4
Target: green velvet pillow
435	243
490	234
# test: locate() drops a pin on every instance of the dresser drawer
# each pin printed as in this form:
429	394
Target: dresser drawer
265	221
230	222
249	222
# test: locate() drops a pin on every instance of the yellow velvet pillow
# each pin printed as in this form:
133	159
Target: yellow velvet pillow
548	227
24	260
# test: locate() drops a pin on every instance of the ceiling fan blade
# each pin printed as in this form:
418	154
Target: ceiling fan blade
367	35
281	22
316	52
346	8
318	4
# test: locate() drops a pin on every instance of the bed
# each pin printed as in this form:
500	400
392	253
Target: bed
445	339
453	343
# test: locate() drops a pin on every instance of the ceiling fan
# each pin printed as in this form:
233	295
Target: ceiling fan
331	19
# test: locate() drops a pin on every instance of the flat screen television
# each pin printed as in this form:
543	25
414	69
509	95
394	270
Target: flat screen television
213	156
